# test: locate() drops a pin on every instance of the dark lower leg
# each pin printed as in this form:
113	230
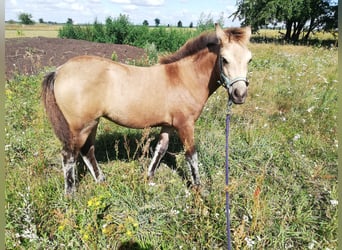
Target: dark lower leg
192	160
69	169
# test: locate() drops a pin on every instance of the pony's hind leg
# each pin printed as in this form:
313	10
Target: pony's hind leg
88	156
69	169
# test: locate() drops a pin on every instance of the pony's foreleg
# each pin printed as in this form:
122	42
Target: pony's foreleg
186	134
159	152
69	169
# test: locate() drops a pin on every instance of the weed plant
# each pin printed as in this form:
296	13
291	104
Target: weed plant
283	169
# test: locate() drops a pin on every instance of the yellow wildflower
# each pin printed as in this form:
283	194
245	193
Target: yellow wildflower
90	203
61	227
85	236
129	233
8	93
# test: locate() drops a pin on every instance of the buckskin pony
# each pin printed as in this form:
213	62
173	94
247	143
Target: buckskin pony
170	94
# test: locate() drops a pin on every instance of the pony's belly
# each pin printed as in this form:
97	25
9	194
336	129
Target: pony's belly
139	118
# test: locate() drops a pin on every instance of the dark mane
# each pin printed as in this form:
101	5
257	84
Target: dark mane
206	39
191	47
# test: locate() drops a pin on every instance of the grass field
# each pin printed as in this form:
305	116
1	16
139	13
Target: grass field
283	157
19	30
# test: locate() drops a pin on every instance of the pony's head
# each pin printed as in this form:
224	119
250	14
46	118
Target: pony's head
233	60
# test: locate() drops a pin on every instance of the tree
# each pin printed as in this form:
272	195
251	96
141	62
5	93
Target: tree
179	24
41	20
298	15
331	19
157	21
206	22
25	18
70	21
118	28
191	25
145	23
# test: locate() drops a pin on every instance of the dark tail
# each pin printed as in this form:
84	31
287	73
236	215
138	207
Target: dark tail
55	115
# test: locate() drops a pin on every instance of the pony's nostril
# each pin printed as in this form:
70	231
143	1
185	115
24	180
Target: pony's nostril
239	94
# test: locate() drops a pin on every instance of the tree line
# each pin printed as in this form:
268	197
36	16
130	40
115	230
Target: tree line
26	18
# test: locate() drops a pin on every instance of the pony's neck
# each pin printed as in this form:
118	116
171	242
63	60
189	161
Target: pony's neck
206	69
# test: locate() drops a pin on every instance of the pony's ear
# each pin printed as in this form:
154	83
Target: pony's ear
222	37
248	33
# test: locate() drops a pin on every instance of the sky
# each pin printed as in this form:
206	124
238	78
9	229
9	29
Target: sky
86	11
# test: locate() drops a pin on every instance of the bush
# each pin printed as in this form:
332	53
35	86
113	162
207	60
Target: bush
121	31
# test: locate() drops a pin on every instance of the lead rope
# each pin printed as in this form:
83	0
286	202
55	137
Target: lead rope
227	84
227	175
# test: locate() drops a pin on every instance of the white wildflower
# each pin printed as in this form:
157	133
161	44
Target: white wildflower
334	202
249	242
296	137
174	212
311	245
310	109
151	184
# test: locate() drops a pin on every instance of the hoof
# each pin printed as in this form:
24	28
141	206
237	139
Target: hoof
100	178
150	181
70	192
196	187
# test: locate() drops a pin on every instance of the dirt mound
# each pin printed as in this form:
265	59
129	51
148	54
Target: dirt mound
29	55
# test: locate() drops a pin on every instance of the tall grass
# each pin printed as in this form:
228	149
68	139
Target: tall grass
283	165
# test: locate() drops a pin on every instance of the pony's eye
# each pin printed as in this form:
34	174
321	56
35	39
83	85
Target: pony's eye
224	60
250	60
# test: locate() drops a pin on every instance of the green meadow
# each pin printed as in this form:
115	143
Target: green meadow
283	169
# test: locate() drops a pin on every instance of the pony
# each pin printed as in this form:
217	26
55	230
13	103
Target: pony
170	95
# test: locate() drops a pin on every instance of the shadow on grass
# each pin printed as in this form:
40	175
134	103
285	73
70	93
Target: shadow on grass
137	145
131	245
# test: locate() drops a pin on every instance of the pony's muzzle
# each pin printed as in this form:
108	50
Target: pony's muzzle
239	92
